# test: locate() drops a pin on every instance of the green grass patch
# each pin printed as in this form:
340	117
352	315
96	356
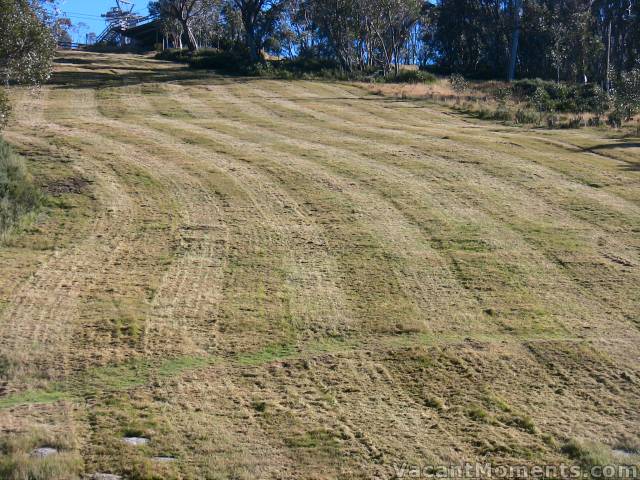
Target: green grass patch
33	397
18	194
177	366
114	378
269	354
320	440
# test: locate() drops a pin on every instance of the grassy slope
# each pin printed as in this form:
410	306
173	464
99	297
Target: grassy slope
301	280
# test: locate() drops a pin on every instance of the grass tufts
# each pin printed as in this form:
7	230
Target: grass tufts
18	194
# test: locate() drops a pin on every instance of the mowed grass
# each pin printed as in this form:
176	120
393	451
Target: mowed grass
272	279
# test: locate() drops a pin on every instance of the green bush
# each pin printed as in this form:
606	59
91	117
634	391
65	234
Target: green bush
174	55
574	122
18	194
595	122
308	65
226	61
553	121
615	119
412	76
541	100
626	98
503	113
558	97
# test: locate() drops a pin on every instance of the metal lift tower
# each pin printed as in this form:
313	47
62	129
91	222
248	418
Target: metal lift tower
119	19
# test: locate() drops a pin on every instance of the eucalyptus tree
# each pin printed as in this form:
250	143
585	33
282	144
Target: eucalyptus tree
390	23
171	27
187	14
27	46
259	20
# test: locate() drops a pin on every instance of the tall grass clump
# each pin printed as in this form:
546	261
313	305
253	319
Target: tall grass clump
18	195
587	454
18	460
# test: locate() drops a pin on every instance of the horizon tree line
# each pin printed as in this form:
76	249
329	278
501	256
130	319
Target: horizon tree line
572	40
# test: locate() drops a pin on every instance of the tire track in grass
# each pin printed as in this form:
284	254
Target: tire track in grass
190	284
339	187
328	182
581	278
184	307
467	173
316	278
255	203
113	308
297	190
466	144
299	276
387	174
42	317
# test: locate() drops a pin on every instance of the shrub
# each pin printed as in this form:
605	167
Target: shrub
615	119
502	94
574	122
174	55
458	83
232	62
435	403
523	422
592	99
526	88
307	64
412	76
626	97
503	113
526	116
477	414
541	100
18	195
595	121
550	96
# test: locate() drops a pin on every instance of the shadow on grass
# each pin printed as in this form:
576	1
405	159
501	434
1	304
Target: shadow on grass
97	75
630	166
105	78
609	146
73	60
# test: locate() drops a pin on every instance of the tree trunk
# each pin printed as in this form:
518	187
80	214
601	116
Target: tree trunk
192	43
608	73
515	39
248	21
250	39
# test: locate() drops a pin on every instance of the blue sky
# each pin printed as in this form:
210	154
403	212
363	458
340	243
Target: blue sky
88	12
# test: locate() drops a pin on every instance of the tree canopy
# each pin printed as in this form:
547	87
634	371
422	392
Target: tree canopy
26	42
27	45
571	40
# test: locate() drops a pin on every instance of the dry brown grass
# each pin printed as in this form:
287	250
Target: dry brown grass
480	101
276	279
